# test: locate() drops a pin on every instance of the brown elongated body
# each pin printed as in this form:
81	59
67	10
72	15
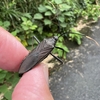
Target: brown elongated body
38	54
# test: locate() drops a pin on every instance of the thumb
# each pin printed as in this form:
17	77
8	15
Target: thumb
33	85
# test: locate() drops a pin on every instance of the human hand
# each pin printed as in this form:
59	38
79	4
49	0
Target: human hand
33	85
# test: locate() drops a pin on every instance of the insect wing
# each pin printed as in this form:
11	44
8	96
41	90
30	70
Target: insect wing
28	62
35	56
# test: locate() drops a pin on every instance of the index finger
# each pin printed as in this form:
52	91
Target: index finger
12	52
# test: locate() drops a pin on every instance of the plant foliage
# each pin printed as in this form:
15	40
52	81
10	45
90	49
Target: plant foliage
43	18
7	83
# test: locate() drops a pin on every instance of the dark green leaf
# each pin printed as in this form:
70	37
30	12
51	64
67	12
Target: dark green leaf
22	37
13	80
30	41
8	94
2	74
3	88
1	23
8	75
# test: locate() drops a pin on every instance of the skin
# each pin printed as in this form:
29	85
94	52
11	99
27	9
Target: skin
33	85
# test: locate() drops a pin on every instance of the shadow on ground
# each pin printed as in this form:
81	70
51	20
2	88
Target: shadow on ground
79	77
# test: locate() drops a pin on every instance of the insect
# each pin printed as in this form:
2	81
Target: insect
38	54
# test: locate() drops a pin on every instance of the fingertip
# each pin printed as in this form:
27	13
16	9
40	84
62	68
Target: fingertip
12	52
33	85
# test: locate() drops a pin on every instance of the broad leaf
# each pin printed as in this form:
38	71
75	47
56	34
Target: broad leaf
48	13
24	19
63	24
61	19
49	7
6	23
38	16
42	8
47	22
8	94
64	7
58	1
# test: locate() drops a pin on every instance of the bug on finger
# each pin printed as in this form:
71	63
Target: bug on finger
38	54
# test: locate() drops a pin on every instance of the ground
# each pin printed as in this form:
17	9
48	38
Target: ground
79	77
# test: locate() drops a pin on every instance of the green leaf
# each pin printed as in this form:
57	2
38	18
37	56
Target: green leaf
60	52
49	7
24	43
15	79
54	11
27	15
65	48
2	81
1	23
38	16
22	37
6	23
95	18
42	9
8	94
33	27
25	27
40	29
61	38
63	25
78	41
68	13
61	19
47	22
8	75
59	44
64	7
30	41
2	74
14	33
75	36
24	19
58	1
3	88
48	13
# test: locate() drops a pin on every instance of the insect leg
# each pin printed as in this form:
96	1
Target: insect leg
50	53
57	58
61	49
